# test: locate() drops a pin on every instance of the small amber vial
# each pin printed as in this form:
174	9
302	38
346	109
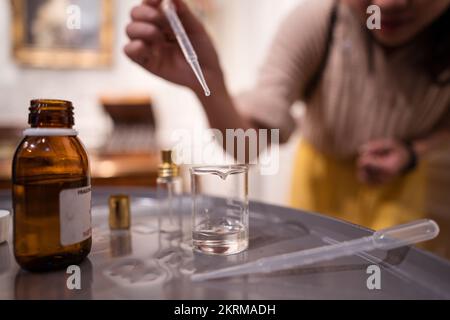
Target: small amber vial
51	191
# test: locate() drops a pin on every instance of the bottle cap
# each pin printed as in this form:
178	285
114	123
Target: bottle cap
4	225
119	212
167	168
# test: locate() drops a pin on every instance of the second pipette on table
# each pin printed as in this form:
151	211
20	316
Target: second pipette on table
183	40
386	239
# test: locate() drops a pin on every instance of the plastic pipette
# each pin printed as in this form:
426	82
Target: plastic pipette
386	239
183	40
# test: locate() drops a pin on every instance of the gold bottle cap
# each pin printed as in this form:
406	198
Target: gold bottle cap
119	212
167	168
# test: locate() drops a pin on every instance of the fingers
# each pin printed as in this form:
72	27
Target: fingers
145	13
371	174
375	177
146	33
153	3
189	20
143	31
381	161
149	13
373	170
139	52
377	147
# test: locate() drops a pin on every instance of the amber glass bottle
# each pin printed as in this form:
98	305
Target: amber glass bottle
51	190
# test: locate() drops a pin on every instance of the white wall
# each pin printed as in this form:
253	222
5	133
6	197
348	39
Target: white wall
242	30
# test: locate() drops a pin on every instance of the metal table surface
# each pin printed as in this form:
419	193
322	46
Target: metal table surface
139	264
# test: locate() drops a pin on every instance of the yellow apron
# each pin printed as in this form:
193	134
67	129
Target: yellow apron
326	185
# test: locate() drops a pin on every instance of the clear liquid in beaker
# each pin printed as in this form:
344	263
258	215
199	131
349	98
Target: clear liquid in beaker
224	237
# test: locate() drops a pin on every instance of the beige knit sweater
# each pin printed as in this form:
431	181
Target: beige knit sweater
364	93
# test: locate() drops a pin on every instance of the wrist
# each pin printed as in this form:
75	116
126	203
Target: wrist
413	157
421	148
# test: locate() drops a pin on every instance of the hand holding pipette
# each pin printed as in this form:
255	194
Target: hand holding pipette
153	46
169	41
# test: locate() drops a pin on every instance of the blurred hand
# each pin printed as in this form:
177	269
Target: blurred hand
153	44
381	161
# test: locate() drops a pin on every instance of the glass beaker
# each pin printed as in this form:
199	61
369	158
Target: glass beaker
220	209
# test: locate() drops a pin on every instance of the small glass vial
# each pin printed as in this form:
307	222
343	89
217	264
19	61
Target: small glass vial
169	189
51	191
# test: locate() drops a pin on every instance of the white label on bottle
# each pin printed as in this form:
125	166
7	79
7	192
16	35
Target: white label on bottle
75	215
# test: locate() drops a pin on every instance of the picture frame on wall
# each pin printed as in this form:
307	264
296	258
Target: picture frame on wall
63	34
